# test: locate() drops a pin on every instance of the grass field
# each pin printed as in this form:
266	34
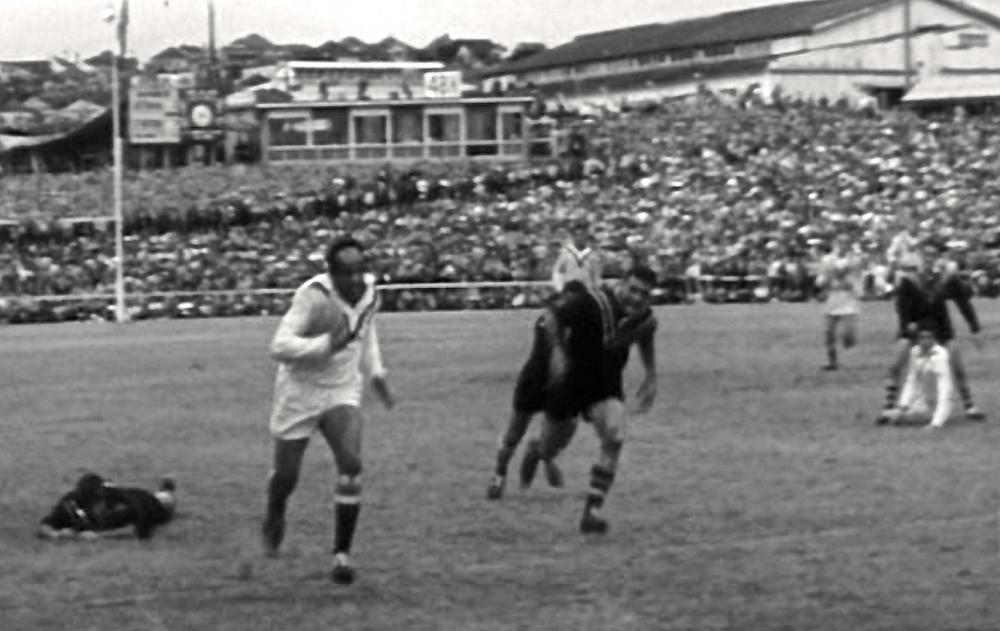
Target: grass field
757	495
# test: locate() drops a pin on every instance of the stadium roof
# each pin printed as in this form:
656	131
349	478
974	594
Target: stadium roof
754	24
954	88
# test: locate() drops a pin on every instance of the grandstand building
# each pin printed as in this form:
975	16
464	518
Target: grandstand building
489	128
852	49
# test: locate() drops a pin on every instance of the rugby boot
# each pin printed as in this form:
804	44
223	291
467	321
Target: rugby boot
974	414
592	523
272	534
495	489
343	572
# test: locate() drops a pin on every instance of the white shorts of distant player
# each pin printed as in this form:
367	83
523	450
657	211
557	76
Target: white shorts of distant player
840	302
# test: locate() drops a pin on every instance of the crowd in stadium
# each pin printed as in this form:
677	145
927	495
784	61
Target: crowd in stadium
744	190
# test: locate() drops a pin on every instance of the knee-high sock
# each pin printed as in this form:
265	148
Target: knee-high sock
601	479
347	504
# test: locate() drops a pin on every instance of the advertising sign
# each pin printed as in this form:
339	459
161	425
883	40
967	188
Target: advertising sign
154	114
442	85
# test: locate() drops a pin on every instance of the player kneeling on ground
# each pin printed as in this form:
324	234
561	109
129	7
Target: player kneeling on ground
96	505
576	367
921	300
929	387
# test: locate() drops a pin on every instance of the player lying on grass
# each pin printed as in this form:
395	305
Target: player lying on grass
326	348
96	506
576	367
921	297
928	390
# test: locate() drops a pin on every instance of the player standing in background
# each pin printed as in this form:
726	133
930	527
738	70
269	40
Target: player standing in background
327	346
839	275
576	367
577	260
921	297
928	389
902	251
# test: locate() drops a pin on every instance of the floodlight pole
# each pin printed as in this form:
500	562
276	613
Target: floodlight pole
121	315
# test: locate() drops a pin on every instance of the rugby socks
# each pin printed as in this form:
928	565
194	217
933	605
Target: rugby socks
831	356
347	504
601	479
891	392
966	394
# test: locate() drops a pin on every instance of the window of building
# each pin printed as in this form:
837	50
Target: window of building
681	55
371	129
481	130
330	127
444	127
407	125
720	50
511	125
288	132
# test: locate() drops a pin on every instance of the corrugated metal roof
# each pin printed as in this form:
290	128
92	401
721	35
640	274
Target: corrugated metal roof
758	23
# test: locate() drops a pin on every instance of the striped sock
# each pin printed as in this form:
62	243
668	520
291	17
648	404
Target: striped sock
347	504
601	479
891	392
966	394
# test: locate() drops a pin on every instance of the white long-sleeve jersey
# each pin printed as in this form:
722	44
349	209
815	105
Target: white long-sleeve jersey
840	274
929	384
573	264
316	372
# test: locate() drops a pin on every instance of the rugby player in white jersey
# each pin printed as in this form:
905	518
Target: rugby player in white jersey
929	387
840	277
327	347
577	261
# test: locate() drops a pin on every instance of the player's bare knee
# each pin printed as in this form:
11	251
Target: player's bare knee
612	440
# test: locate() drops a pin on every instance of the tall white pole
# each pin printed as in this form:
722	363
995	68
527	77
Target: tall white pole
121	315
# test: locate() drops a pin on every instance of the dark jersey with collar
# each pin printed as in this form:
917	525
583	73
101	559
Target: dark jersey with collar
927	302
115	507
593	331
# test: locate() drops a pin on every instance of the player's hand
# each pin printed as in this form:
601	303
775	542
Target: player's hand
50	533
382	391
646	395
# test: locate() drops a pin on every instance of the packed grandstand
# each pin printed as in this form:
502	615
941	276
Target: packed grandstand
727	200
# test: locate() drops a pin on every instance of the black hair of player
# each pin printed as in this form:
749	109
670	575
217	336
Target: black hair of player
338	245
644	273
89	486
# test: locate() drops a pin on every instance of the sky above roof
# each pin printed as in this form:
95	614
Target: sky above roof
40	28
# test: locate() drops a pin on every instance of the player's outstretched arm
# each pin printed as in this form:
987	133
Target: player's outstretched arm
373	368
290	342
647	354
961	293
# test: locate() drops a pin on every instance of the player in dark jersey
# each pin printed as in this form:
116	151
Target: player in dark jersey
96	505
922	297
576	366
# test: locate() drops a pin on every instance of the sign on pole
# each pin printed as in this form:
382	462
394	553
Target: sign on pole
154	114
